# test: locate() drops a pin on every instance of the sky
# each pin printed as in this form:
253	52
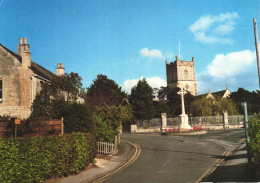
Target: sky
130	39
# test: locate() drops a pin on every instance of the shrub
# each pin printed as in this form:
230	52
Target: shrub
77	118
254	134
108	120
39	158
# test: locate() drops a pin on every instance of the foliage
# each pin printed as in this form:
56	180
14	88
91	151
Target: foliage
174	100
104	91
141	99
252	99
109	120
254	134
212	107
59	99
55	95
77	118
37	159
160	106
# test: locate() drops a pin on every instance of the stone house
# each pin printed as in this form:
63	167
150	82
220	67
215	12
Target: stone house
21	79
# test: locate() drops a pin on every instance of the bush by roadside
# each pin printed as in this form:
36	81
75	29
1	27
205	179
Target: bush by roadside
254	134
39	158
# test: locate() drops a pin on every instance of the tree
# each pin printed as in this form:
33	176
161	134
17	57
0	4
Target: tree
109	119
174	100
77	118
104	91
55	95
211	107
141	99
59	99
252	99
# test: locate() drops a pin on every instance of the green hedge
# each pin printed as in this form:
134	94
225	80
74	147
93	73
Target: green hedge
254	134
39	158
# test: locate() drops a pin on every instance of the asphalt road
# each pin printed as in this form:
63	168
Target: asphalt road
176	158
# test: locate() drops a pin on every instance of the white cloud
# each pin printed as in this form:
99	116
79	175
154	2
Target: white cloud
154	82
237	69
211	29
154	53
231	64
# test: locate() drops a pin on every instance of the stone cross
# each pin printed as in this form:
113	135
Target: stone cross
182	92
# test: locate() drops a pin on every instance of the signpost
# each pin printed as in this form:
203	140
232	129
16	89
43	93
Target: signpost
244	105
16	122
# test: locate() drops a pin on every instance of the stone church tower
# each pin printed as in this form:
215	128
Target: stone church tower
181	74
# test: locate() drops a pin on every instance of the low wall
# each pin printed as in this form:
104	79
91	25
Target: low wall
206	122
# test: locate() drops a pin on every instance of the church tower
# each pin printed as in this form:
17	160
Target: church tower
181	74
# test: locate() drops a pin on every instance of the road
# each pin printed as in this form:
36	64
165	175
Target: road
176	158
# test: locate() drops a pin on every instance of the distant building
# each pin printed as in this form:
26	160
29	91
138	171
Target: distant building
219	94
20	80
181	74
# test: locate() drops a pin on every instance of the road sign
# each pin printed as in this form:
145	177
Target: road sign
17	121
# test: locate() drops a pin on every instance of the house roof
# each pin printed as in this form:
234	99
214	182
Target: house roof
36	68
214	94
41	71
18	57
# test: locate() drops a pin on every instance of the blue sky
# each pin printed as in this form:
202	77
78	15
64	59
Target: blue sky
130	39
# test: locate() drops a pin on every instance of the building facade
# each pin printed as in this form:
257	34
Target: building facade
181	74
20	80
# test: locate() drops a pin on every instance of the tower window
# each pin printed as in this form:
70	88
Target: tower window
185	73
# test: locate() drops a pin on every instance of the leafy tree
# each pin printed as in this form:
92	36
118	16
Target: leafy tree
59	99
252	99
211	107
77	118
109	119
141	99
104	91
160	106
55	95
174	100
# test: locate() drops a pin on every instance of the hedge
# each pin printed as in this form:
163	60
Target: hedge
39	158
254	134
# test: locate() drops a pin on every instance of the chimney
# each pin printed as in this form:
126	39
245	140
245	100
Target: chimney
24	51
192	58
60	71
176	58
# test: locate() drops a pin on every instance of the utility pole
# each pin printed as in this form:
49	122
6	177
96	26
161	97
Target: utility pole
256	47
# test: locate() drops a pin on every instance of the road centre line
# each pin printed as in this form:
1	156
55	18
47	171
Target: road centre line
134	158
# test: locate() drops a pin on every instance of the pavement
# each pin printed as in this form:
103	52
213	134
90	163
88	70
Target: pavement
235	168
102	166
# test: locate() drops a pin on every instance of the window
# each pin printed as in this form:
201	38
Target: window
1	91
185	73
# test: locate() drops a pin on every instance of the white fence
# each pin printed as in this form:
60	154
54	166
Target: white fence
106	148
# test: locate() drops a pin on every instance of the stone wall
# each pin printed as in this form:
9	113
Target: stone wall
20	112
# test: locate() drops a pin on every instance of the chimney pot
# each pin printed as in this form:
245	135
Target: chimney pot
21	40
60	71
25	40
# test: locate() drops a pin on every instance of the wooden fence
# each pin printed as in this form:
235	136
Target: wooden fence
44	128
106	148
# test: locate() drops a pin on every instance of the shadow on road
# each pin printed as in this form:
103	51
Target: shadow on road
235	173
165	150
